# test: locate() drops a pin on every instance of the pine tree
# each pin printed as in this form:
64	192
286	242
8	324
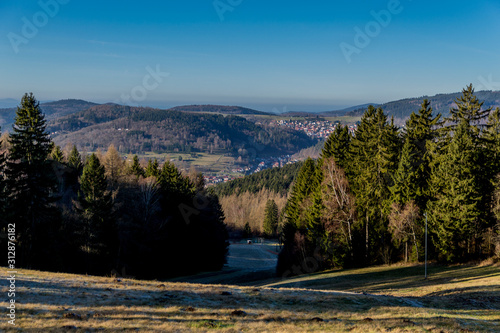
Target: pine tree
373	159
405	177
136	168
304	186
421	132
337	145
271	215
247	230
95	206
469	110
173	183
492	138
152	169
74	159
463	191
455	213
31	180
57	154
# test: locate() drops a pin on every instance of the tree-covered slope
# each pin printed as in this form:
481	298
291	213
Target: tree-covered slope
441	103
277	180
223	109
136	130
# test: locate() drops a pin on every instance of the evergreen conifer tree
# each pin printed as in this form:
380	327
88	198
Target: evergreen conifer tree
74	159
405	177
420	132
95	206
455	212
57	154
136	168
30	177
271	215
152	169
337	145
492	138
462	180
373	159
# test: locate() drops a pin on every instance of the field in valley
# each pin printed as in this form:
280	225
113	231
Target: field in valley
379	299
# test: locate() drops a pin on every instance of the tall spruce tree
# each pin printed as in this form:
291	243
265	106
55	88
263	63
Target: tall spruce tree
492	138
271	215
461	181
337	145
74	159
31	180
152	169
57	154
95	206
455	212
404	188
421	132
469	110
373	154
136	168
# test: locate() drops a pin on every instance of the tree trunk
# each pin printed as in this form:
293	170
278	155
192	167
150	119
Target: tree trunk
406	252
366	244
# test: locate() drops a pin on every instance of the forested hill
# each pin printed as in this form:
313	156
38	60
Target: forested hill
136	130
51	110
234	110
277	180
440	104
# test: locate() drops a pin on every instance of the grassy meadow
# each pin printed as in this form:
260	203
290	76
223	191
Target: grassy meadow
378	299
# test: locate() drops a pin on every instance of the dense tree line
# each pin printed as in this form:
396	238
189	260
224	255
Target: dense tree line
99	214
366	199
277	180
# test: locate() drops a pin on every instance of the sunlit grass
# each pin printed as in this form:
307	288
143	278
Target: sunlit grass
397	299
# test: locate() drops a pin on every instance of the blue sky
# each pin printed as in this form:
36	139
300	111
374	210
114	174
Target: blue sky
279	55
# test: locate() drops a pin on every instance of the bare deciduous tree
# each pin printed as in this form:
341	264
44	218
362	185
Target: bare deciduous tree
403	224
149	197
340	207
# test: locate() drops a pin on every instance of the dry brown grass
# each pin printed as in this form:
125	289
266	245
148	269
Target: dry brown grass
52	302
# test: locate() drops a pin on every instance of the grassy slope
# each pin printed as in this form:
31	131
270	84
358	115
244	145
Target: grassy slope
453	299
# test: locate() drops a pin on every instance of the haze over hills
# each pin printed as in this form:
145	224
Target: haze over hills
400	109
223	109
8	103
138	130
440	103
52	110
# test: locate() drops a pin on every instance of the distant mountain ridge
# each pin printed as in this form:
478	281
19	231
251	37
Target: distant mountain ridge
140	130
400	109
223	109
52	110
6	103
440	103
334	113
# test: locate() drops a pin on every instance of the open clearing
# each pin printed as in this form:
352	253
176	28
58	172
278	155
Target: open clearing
247	264
453	299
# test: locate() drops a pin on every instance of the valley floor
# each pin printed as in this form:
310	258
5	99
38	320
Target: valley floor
395	299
